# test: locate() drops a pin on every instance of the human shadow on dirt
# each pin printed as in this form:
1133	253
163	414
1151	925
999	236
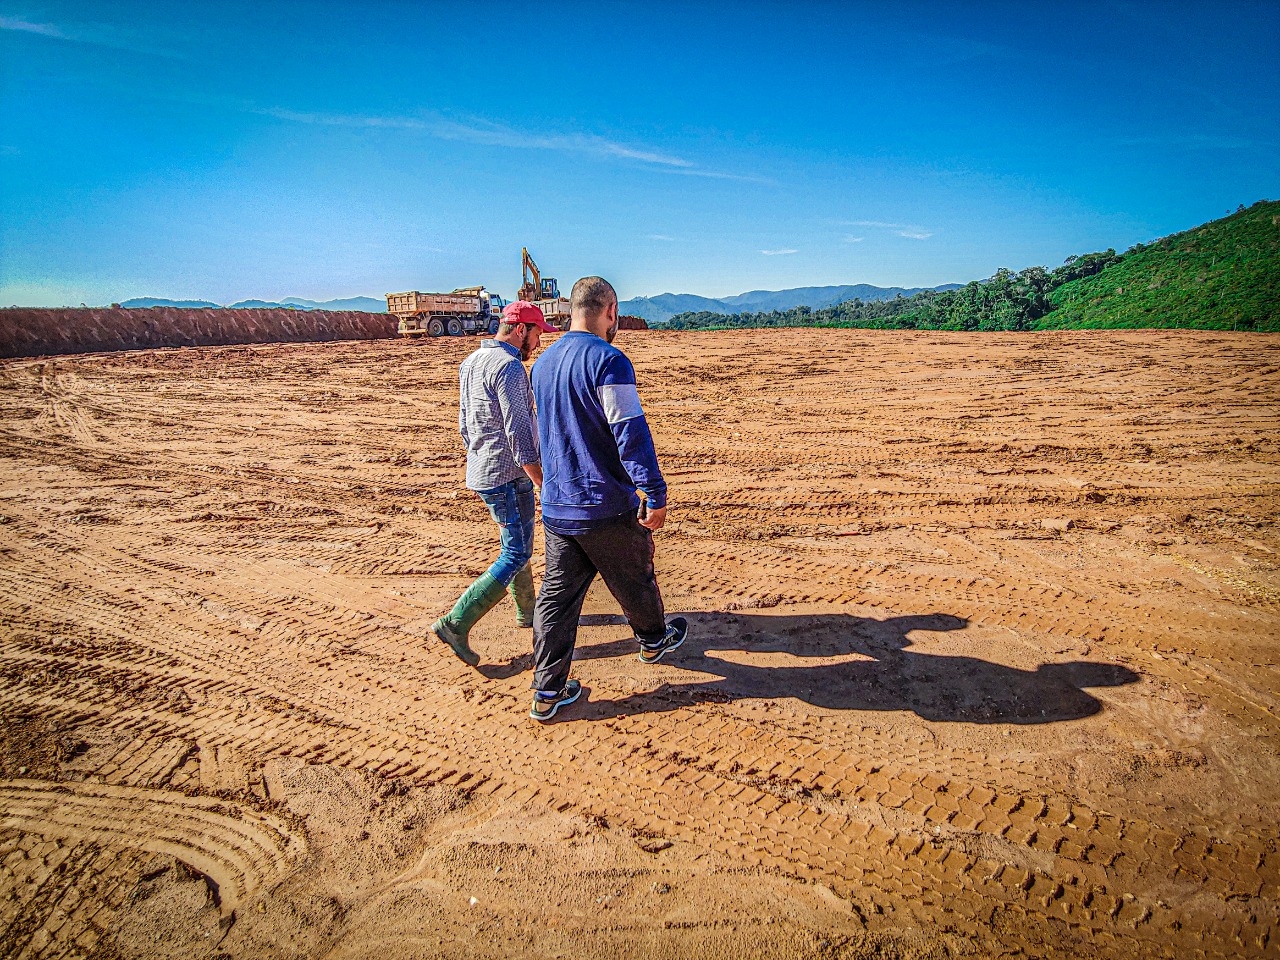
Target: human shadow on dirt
519	664
866	666
505	671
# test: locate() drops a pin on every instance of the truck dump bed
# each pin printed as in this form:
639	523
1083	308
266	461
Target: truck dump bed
412	303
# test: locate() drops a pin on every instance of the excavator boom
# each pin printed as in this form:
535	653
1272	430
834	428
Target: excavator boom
529	291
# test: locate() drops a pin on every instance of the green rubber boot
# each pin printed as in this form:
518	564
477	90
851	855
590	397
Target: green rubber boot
521	590
478	599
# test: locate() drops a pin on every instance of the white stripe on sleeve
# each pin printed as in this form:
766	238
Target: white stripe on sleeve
621	402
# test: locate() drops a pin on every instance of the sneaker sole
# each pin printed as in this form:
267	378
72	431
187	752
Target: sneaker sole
558	704
664	651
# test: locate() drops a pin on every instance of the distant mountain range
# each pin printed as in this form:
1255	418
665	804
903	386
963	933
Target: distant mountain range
365	304
664	306
140	302
657	309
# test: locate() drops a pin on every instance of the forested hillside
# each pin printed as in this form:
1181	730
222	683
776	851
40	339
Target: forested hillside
1224	275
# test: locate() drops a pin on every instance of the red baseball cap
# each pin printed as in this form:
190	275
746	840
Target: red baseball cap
522	311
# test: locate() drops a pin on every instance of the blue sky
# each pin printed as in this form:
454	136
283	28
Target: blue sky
234	150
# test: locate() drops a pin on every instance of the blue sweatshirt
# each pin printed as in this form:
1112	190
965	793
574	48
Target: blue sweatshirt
596	445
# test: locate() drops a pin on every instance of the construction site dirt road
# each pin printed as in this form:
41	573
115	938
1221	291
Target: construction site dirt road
982	660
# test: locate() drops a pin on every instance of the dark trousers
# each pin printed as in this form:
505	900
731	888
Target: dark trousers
622	553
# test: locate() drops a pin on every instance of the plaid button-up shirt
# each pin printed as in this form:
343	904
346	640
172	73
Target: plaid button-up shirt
496	416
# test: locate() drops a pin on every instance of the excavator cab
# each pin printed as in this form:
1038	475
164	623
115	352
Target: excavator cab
550	289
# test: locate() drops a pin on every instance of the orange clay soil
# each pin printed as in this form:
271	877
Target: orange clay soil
39	331
982	659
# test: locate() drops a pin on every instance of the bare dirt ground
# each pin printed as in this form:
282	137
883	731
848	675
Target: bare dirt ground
983	660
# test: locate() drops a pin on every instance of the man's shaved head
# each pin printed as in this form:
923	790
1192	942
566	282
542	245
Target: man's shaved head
591	297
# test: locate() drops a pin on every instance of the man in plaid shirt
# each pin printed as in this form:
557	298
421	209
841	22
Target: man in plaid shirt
500	429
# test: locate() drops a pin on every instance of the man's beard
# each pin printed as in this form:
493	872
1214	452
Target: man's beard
611	332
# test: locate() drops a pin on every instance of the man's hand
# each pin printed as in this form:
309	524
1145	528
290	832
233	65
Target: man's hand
534	470
654	518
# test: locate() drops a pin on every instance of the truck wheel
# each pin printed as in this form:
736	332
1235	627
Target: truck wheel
435	327
455	327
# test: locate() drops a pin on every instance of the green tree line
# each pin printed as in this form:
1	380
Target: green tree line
1222	275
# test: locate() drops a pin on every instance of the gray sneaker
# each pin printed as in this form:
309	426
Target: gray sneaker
545	707
677	630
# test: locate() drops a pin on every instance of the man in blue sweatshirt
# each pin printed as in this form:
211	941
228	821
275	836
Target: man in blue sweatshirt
596	452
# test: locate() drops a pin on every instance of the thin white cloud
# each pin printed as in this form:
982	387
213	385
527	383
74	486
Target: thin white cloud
718	175
663	238
629	153
25	26
491	134
908	230
499	135
96	34
778	253
854	239
339	120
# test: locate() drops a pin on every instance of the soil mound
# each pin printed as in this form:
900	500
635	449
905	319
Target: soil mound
37	331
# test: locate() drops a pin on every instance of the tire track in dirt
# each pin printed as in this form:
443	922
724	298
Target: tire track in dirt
1052	825
62	896
239	850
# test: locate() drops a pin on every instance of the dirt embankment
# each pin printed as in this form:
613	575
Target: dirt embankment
37	331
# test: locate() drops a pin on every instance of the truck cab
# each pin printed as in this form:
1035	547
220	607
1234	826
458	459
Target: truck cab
496	305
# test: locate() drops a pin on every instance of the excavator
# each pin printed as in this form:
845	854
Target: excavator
543	291
541	288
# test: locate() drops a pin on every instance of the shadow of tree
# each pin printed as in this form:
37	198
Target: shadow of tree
865	665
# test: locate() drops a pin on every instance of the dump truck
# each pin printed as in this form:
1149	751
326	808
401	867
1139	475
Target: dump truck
465	310
543	292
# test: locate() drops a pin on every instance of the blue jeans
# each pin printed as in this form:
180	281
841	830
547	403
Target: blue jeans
512	508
